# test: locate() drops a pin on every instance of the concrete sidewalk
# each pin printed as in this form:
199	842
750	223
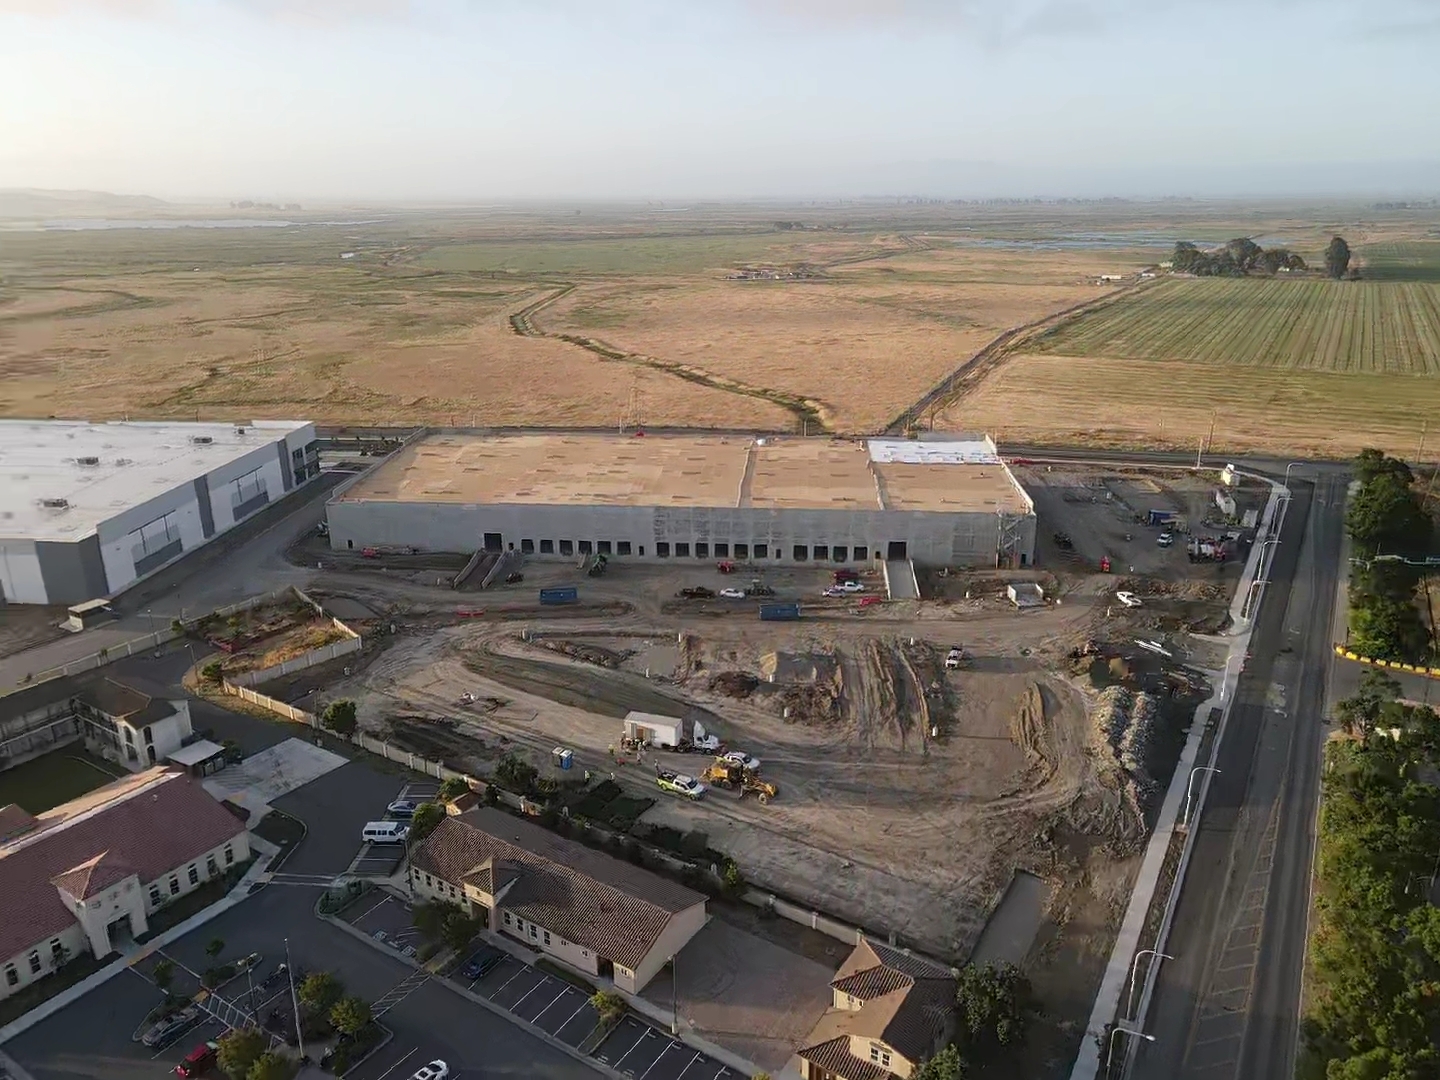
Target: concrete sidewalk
70	994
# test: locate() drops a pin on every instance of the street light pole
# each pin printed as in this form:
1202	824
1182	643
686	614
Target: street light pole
1134	970
1190	791
1127	1031
294	1001
674	997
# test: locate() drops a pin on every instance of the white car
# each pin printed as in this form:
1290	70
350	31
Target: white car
833	591
436	1070
1129	599
732	594
953	658
739	757
850	586
1165	539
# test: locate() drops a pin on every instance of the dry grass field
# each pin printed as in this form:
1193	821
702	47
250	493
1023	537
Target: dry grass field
594	316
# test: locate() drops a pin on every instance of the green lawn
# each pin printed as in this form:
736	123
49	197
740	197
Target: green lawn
45	782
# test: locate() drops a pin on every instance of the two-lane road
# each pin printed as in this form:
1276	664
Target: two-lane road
1227	1007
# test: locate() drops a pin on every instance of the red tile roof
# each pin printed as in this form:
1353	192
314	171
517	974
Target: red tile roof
15	820
147	824
610	907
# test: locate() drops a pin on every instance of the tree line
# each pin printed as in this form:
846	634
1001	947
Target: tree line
1242	256
1387	524
1375	979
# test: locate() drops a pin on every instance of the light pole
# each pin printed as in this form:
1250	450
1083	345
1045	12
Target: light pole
674	998
1190	790
1134	970
1128	1031
294	1001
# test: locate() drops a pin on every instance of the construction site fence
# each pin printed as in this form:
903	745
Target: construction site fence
759	898
351	644
147	642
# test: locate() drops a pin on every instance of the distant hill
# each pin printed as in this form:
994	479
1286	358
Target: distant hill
42	203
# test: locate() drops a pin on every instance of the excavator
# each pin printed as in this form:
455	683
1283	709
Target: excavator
733	776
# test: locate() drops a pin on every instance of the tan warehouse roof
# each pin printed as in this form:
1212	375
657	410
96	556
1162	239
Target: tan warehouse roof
684	470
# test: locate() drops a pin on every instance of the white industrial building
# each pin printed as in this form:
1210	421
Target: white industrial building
87	510
939	500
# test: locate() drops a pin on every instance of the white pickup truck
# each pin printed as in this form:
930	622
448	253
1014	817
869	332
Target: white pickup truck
679	783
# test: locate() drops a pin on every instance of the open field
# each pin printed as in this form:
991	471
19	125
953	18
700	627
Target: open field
1309	324
599	316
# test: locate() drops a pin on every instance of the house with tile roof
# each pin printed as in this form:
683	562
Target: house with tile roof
131	722
594	913
87	875
890	1012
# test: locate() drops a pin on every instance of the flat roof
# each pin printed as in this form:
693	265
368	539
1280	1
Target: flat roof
196	752
100	470
775	472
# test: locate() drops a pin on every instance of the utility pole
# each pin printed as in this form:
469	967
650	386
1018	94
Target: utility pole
674	997
294	1001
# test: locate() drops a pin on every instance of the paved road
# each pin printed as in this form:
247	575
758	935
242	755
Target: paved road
1227	1007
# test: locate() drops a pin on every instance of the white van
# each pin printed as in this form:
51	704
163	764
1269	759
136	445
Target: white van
385	832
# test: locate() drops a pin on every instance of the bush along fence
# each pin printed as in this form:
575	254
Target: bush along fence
1393	665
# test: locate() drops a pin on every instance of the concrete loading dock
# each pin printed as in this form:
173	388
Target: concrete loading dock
941	501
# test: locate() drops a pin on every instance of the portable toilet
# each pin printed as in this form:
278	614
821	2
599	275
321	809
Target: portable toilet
562	757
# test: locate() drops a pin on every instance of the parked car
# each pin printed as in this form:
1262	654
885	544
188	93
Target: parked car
845	574
954	658
483	961
732	594
166	1031
850	585
1129	599
199	1061
1165	539
679	783
436	1070
402	808
739	757
834	591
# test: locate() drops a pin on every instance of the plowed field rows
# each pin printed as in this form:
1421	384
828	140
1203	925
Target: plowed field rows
1308	325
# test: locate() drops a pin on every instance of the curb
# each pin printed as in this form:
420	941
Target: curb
386	1041
1393	665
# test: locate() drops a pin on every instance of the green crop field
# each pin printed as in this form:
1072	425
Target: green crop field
1372	327
1414	261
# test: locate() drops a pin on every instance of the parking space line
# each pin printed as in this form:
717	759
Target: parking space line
397	1064
371	910
563	991
683	1071
532	989
583	1003
508	981
672	1046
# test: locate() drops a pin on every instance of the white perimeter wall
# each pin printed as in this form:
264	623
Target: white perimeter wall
20	577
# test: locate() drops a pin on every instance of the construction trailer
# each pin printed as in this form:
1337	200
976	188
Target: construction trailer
652	729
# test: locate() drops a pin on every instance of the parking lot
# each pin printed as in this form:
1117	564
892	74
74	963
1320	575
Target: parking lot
382	860
553	1005
639	1050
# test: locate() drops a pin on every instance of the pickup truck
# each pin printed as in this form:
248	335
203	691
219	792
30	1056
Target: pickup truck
696	592
679	783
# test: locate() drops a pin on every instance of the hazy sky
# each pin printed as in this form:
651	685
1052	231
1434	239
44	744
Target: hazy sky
441	99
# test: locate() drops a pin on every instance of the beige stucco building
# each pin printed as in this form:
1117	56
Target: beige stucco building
889	1012
596	914
87	875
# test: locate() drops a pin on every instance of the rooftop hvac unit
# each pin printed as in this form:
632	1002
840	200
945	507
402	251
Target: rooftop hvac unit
55	504
88	460
202	440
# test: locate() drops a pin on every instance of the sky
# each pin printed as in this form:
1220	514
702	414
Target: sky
474	100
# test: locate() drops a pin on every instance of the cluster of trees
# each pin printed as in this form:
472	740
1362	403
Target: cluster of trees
1386	518
446	924
994	1005
1237	258
340	717
1337	257
1376	951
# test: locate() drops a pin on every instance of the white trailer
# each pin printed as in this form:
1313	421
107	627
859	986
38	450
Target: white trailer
651	729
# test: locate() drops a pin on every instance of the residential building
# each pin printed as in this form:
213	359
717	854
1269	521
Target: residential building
87	510
596	914
890	1011
130	721
86	876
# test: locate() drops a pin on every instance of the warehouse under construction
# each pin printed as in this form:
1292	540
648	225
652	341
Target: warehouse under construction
941	500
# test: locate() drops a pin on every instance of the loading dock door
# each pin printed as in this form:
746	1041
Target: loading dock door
492	542
896	550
